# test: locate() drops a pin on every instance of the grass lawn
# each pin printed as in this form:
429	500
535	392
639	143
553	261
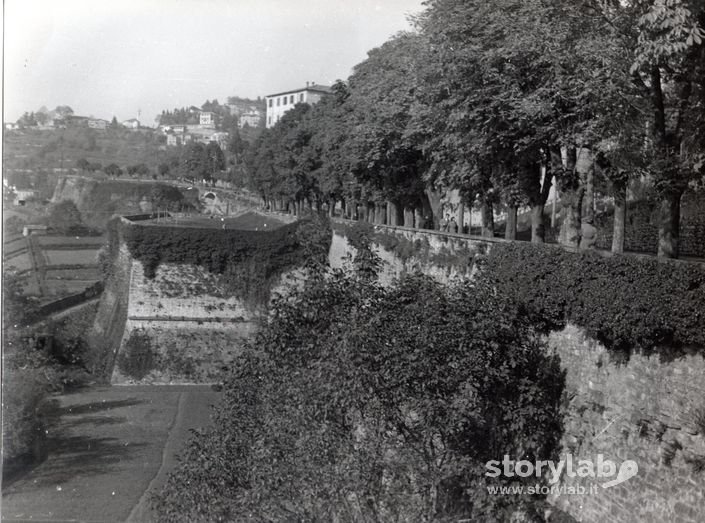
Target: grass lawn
82	242
66	257
249	221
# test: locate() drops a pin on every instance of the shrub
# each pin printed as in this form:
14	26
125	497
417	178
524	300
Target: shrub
625	302
357	402
138	358
23	421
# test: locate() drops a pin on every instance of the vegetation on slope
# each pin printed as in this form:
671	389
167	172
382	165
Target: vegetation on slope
357	402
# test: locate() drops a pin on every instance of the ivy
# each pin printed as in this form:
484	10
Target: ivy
626	302
250	262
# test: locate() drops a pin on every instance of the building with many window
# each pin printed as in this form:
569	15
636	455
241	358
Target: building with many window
251	118
280	103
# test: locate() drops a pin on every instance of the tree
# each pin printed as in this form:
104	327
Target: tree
381	93
114	123
163	169
113	170
83	164
216	158
65	217
194	161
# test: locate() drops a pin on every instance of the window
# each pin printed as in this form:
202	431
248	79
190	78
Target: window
269	121
270	102
301	97
291	99
279	100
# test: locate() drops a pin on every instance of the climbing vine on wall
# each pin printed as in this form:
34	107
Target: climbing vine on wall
250	262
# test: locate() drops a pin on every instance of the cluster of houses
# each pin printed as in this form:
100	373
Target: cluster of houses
204	132
276	105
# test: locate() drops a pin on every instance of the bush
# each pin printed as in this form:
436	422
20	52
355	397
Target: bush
625	302
357	402
138	358
23	421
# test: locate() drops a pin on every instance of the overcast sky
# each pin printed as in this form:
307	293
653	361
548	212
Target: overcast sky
106	58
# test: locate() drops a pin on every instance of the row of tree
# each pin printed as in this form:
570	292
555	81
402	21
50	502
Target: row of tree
500	100
194	160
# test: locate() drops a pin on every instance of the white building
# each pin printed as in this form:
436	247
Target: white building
206	119
132	123
280	103
251	118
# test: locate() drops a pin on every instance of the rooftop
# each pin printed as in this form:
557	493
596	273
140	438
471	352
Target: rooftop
313	87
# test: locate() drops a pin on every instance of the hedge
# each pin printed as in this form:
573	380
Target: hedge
626	302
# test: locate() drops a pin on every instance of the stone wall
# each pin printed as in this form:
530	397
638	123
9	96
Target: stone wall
645	409
194	327
443	256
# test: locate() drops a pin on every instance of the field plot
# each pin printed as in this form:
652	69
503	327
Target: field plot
60	288
85	274
70	257
21	261
13	245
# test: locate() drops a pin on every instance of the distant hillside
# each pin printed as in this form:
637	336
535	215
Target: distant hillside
55	148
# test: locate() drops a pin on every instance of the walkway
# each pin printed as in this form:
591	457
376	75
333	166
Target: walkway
108	447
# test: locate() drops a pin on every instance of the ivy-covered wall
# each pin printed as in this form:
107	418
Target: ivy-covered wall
181	302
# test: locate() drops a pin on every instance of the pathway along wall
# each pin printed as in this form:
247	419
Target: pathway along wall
647	409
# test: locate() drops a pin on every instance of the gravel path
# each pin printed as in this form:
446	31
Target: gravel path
107	447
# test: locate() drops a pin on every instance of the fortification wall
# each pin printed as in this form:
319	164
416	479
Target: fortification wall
648	409
195	329
645	409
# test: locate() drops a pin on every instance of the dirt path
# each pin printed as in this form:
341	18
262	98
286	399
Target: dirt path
107	448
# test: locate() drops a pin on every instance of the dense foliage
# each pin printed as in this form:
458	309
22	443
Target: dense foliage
625	302
249	261
357	402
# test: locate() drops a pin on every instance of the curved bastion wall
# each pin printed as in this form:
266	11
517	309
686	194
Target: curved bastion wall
183	319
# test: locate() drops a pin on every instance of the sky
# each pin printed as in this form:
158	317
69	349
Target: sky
115	58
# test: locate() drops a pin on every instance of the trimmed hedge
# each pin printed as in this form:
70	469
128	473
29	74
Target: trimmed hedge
625	302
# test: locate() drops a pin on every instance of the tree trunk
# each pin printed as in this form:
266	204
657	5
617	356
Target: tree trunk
510	232
487	219
431	206
371	212
620	219
669	225
588	232
408	217
331	207
395	216
418	218
537	227
380	213
460	217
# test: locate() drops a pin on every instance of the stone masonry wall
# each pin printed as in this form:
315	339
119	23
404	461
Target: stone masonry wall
194	328
647	410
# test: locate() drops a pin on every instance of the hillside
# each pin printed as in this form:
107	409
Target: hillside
57	148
